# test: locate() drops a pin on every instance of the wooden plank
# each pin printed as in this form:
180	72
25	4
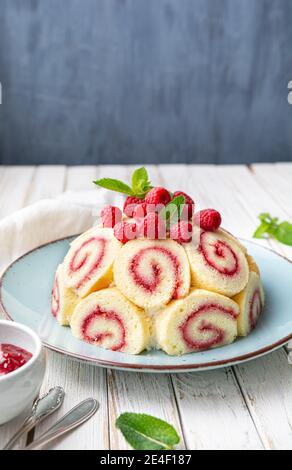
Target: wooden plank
15	187
267	387
221	420
276	180
21	186
247	200
257	200
15	184
123	172
284	167
79	381
280	175
253	199
213	412
140	393
81	177
143	393
48	181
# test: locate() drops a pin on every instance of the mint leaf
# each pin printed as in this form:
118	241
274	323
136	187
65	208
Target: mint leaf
270	227
283	233
140	181
265	217
114	185
261	230
145	432
140	184
266	227
173	209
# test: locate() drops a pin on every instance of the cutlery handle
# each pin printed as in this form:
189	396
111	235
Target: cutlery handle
42	408
29	424
78	415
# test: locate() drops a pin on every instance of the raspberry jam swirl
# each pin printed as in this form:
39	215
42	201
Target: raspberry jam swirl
55	299
140	265
219	255
87	259
104	328
255	308
12	358
197	324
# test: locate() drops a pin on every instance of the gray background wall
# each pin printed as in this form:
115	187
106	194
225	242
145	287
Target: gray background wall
90	81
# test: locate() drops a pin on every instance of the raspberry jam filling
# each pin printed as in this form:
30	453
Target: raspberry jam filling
12	358
82	256
150	285
100	336
219	255
216	335
255	308
55	303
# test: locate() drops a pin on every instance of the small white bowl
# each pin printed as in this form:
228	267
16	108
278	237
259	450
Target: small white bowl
19	388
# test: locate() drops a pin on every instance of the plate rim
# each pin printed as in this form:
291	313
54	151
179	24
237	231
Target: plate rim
149	367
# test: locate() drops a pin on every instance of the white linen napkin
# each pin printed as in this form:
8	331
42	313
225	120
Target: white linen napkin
50	219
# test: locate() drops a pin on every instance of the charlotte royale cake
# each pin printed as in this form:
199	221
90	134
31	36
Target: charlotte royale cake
157	274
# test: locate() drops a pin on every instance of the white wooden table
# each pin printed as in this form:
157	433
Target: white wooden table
243	407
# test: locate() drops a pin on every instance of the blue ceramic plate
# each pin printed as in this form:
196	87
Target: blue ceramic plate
25	297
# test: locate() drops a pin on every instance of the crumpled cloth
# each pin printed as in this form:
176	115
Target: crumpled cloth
47	220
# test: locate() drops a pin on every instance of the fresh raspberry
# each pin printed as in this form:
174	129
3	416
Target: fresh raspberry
130	204
152	227
157	196
189	205
125	231
181	232
110	216
208	219
140	210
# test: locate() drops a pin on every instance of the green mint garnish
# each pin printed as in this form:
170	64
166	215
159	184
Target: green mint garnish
172	211
145	432
284	233
114	185
140	184
271	228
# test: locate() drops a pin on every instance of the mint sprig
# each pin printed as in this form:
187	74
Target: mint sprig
140	184
145	432
271	228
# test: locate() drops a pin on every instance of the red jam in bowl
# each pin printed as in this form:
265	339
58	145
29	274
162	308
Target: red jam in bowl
12	357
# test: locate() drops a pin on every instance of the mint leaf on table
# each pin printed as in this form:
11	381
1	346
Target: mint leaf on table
261	230
114	185
283	233
140	182
270	227
172	211
145	432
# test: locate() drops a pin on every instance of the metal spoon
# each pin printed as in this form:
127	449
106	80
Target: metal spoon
76	416
42	408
